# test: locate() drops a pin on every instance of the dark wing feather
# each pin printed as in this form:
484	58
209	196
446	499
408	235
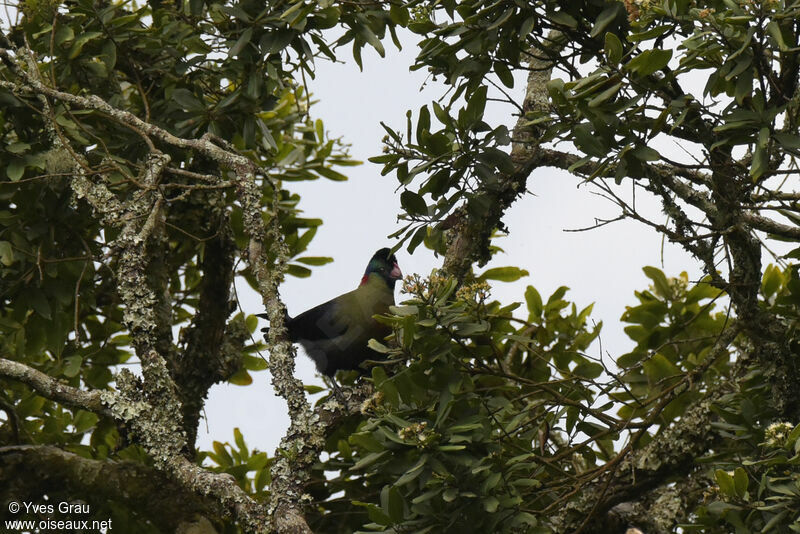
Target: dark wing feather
319	323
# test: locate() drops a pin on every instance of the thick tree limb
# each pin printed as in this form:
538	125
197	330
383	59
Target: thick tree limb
52	389
469	240
204	145
765	224
151	407
203	363
661	510
230	501
28	472
300	447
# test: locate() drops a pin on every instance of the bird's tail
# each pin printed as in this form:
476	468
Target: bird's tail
265	330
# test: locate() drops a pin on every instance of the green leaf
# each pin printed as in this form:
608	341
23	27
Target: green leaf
587	140
740	482
241	378
613	48
660	282
187	100
399	15
650	61
534	302
774	31
368	460
744	86
258	460
413	203
725	482
412	473
331	174
470	329
491	482
793	436
772	524
504	73
6	253
109	54
15	169
298	270
80	42
503	274
590	370
63	35
449	495
221	455
366	441
72	366
771	281
254	363
787	140
372	39
39	303
605	18
605	95
423	124
475	106
645	153
314	260
527	26
760	163
763	137
658	367
392	503
378	347
84	420
562	17
18	147
417	238
451	448
238	438
490	504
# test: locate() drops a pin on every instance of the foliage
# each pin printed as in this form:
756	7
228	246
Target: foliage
193	72
485	417
493	418
237	460
760	494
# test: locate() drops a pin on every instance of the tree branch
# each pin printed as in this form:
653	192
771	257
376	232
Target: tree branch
52	389
765	224
29	472
469	240
203	145
672	454
203	362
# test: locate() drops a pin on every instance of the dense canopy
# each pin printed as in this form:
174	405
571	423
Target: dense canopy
147	158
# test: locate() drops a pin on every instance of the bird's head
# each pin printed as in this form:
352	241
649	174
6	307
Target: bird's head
384	264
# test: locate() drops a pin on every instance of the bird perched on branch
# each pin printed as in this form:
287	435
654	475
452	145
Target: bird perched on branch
335	334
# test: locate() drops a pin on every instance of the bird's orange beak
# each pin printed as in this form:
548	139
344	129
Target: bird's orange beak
396	273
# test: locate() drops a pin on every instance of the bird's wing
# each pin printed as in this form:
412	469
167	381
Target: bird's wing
319	323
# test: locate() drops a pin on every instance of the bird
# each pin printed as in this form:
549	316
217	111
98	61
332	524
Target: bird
336	333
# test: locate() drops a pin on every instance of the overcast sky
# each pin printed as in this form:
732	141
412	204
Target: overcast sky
603	266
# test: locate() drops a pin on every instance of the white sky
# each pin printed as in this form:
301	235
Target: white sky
601	266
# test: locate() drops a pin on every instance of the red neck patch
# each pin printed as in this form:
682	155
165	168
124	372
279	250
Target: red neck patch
364	280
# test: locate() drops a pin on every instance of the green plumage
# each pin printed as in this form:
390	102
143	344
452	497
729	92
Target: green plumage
335	334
